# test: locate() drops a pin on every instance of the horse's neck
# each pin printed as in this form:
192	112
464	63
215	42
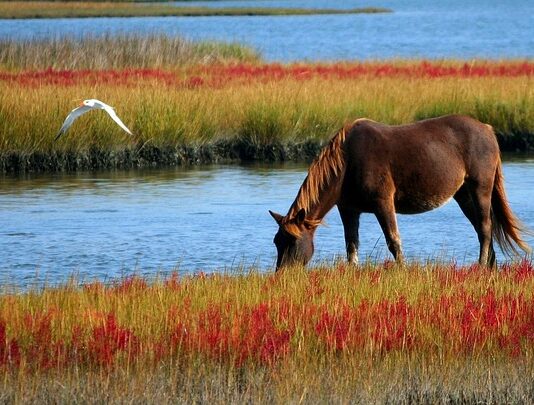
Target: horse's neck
316	208
322	187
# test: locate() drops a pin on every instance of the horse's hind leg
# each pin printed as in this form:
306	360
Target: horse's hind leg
472	204
385	213
351	223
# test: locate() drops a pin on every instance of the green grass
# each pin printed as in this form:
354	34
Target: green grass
43	9
176	124
280	111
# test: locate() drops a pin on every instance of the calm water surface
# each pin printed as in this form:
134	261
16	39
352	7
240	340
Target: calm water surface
107	224
416	29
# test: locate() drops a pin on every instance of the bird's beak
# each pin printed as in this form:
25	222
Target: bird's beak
81	104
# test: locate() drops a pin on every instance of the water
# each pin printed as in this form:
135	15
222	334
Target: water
102	225
107	224
416	29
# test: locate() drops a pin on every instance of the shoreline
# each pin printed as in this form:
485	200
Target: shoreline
94	9
233	151
219	152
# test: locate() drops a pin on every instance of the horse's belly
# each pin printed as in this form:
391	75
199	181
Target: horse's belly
418	204
423	194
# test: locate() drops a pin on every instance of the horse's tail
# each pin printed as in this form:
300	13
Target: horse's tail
507	228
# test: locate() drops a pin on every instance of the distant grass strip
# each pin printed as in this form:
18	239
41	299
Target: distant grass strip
379	333
119	52
46	9
101	1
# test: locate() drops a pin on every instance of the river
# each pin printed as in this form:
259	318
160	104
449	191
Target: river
105	225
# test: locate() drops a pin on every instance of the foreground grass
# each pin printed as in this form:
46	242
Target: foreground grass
419	333
53	9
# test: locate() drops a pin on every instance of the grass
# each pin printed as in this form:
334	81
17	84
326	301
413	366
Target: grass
54	9
206	101
194	107
119	52
380	333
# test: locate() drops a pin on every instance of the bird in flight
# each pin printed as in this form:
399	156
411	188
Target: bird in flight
88	105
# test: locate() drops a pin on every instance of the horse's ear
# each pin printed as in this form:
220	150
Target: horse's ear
301	216
277	217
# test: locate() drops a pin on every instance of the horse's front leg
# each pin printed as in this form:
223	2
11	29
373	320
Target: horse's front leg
351	223
385	213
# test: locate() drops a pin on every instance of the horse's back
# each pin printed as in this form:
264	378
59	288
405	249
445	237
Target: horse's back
455	130
423	163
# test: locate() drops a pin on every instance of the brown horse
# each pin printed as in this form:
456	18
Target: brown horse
369	167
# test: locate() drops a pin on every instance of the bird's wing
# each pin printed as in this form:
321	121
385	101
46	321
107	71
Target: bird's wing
71	117
115	118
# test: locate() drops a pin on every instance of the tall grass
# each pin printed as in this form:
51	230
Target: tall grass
118	52
207	101
176	109
414	333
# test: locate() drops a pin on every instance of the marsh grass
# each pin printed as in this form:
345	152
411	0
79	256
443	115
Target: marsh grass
53	9
375	334
476	381
255	112
118	52
207	102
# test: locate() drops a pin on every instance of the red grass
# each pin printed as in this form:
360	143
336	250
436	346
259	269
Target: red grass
108	340
51	77
453	322
9	349
221	75
356	70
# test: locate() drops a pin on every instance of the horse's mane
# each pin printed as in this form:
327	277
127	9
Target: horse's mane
326	167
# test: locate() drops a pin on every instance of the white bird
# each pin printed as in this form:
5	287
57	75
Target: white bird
88	105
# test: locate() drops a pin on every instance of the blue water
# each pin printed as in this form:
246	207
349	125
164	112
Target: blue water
416	29
107	224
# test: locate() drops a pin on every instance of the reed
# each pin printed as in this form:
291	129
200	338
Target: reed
83	9
118	52
414	333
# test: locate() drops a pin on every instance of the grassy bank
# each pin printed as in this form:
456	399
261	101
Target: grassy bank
205	102
267	112
413	334
53	9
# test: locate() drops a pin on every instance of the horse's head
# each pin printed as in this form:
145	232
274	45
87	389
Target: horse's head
294	239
